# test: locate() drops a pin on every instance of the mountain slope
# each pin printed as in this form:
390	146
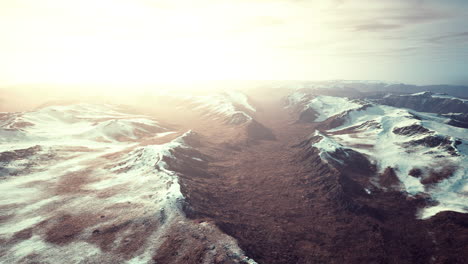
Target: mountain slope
427	155
287	201
309	177
86	183
456	109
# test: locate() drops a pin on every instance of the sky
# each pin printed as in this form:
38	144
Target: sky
131	42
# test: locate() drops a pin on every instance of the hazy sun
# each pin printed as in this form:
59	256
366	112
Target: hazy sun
128	42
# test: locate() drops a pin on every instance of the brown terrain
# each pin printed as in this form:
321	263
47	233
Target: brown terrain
263	184
284	204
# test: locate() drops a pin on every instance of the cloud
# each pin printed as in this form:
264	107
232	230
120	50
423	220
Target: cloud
389	52
460	36
377	27
422	14
367	16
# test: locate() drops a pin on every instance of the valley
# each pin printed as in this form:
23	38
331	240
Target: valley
285	175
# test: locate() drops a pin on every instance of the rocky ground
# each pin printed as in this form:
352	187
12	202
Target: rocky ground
284	204
249	187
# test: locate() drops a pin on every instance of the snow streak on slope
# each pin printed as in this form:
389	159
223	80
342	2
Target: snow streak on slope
219	105
240	99
327	146
231	107
67	195
428	155
328	106
226	105
324	106
438	95
82	121
296	98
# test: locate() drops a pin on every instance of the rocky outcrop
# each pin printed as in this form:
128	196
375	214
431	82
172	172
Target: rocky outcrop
258	131
411	130
9	156
308	115
425	102
451	107
457	120
437	141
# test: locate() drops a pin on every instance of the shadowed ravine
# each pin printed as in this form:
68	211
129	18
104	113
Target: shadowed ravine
232	177
285	205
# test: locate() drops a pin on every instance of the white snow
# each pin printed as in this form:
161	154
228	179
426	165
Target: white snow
222	105
420	93
20	225
439	95
231	105
431	211
374	137
296	98
81	121
333	84
240	98
83	169
76	252
326	144
328	106
449	97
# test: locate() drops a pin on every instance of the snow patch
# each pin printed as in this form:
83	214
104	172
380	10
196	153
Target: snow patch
241	99
438	95
326	144
20	225
78	174
328	106
296	98
223	105
80	121
370	131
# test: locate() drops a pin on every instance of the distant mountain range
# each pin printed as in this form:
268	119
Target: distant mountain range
287	172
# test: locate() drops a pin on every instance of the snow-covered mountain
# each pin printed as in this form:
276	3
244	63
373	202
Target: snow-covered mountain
373	87
91	184
230	107
285	175
76	122
456	109
428	155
